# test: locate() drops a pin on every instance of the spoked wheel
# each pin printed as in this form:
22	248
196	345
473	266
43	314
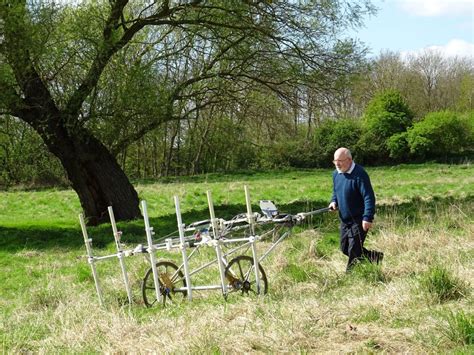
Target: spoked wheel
169	279
240	273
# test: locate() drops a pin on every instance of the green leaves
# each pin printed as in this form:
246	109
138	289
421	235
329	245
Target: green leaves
387	114
441	134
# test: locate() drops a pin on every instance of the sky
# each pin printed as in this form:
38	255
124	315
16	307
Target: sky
413	26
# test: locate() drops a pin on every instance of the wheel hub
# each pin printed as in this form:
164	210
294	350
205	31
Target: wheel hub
237	284
246	286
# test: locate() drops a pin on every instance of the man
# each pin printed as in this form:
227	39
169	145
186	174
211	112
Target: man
354	197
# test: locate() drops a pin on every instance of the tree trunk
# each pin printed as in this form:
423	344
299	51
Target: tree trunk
95	175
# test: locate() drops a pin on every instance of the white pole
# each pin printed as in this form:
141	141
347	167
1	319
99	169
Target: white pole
255	263
183	247
151	250
91	260
251	220
250	217
120	254
218	242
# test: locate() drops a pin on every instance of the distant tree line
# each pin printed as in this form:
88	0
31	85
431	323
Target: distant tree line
387	111
394	111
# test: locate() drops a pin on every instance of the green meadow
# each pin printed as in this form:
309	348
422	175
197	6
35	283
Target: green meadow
419	300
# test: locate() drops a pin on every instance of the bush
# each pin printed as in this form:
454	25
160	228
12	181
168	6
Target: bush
441	135
296	152
332	135
398	147
386	115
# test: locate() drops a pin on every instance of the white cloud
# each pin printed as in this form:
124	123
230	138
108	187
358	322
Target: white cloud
437	7
454	48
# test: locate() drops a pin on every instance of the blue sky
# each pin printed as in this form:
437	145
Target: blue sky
412	26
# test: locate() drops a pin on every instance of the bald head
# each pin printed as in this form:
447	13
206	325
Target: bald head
342	153
342	159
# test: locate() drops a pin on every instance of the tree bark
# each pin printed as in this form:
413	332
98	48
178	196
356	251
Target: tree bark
92	170
94	174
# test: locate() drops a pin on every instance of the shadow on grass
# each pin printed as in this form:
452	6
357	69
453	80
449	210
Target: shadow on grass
35	237
38	237
244	175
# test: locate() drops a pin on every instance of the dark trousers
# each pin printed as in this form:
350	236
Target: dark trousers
352	244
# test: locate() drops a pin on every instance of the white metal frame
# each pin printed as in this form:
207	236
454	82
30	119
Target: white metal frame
217	239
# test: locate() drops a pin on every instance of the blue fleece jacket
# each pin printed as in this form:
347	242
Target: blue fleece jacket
354	195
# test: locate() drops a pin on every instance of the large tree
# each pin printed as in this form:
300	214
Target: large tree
63	67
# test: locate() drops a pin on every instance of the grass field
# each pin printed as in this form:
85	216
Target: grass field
419	300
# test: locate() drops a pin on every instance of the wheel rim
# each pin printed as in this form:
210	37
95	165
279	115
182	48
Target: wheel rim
168	278
241	276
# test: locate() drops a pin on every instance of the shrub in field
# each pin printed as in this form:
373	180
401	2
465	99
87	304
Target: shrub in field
286	152
441	134
332	135
398	148
440	284
386	115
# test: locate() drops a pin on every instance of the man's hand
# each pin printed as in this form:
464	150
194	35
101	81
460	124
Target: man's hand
332	206
366	225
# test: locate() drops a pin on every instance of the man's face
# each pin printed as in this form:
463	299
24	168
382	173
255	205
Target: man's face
342	162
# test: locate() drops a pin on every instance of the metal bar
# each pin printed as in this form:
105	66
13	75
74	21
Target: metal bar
286	234
237	221
180	267
183	247
105	257
232	251
91	258
255	262
311	213
151	251
189	258
251	219
250	216
159	247
120	254
218	245
202	267
236	240
198	288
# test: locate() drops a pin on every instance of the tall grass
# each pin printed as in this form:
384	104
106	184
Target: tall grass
368	272
441	285
459	328
424	225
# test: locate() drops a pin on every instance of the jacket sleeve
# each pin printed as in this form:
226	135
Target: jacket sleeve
333	198
368	196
